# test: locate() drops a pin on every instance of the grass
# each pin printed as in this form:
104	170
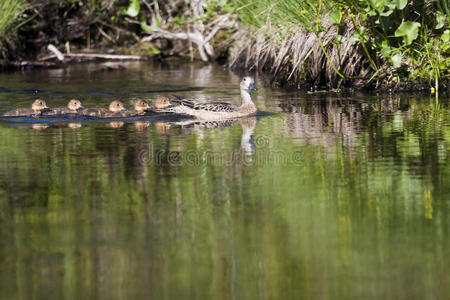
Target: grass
333	42
9	12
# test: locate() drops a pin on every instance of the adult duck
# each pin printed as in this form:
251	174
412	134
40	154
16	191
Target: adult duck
219	110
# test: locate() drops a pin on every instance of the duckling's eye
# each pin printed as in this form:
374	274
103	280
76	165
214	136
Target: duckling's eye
117	104
40	102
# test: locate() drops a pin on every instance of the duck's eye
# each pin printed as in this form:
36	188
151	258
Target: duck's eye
117	104
245	79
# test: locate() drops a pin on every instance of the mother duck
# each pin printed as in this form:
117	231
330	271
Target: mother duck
219	110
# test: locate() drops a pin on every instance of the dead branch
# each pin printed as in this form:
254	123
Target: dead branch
95	56
55	51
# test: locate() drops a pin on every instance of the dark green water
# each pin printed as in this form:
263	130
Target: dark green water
332	197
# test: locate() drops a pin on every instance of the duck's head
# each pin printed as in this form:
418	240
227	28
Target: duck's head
116	106
141	106
162	103
74	104
39	105
248	84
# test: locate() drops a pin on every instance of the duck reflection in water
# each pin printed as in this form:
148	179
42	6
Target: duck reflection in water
116	124
39	126
248	125
141	125
162	127
74	125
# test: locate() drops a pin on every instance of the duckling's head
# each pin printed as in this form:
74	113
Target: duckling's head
74	104
248	84
162	103
141	106
116	106
39	105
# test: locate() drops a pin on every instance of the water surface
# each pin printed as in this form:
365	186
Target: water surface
328	197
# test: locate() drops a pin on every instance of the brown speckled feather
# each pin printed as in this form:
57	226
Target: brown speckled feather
21	112
211	106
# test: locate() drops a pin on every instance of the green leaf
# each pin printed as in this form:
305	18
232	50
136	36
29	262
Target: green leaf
408	31
440	20
401	4
335	17
145	26
446	36
353	39
132	10
396	60
156	22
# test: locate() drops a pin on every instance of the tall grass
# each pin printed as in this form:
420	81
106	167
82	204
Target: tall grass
9	11
334	41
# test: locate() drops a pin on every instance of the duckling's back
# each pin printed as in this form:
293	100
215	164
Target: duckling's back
94	112
20	112
60	111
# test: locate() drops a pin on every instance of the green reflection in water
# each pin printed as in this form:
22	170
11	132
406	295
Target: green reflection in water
330	198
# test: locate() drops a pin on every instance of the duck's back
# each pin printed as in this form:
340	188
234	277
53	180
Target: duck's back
20	112
94	112
215	107
60	111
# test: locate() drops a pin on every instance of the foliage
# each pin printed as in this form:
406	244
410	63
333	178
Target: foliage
9	11
387	30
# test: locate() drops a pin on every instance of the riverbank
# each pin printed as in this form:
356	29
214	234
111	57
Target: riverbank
323	45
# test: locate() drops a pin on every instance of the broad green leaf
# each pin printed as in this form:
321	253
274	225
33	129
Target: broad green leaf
132	10
396	60
401	4
353	39
440	20
335	17
446	36
408	31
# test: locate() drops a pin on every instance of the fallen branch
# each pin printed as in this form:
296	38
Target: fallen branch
196	37
57	53
96	55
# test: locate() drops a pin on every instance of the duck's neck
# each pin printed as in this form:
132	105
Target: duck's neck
246	98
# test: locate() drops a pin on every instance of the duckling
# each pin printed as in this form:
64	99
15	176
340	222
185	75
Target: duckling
37	108
140	108
220	110
114	109
161	103
72	107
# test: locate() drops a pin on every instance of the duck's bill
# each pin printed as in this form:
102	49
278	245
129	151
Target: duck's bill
252	87
81	107
123	108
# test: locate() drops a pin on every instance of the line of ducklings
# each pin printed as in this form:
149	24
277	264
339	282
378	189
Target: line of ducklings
116	109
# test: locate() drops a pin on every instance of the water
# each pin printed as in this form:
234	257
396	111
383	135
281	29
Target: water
323	197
